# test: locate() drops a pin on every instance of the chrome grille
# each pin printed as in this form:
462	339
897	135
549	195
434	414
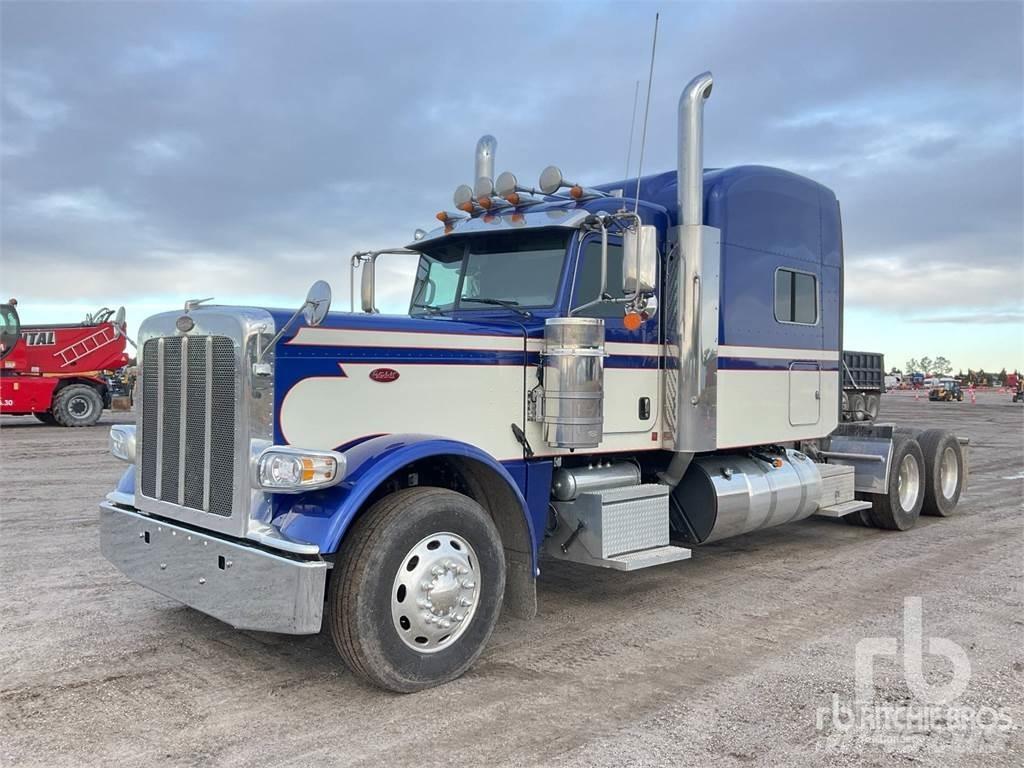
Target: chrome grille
188	422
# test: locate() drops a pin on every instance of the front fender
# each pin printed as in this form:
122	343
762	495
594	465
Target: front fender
323	517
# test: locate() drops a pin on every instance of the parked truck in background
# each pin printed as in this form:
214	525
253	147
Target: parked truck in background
57	372
610	375
863	385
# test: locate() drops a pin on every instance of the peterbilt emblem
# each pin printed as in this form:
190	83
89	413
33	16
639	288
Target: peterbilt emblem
384	375
184	324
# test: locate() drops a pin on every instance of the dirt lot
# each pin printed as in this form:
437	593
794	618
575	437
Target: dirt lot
721	660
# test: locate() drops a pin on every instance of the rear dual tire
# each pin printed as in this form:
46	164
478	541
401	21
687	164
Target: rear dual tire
945	472
899	508
926	477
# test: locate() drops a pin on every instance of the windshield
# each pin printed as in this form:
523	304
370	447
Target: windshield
521	269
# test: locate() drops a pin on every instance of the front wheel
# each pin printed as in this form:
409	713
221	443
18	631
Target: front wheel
417	590
77	405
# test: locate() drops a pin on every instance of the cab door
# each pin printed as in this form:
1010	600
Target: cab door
632	367
804	394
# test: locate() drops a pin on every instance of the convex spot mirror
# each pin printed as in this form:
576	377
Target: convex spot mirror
639	260
318	303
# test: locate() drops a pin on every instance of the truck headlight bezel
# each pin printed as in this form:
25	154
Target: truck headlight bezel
122	442
286	469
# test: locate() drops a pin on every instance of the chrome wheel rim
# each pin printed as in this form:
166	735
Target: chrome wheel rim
435	592
909	482
949	473
80	407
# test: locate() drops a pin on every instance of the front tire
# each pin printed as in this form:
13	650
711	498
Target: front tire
417	589
77	405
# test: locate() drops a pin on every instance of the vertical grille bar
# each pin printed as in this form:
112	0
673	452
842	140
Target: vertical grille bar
222	427
159	417
182	424
208	397
150	416
172	383
195	450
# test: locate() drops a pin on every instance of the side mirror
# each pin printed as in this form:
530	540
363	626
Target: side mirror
318	303
366	286
639	260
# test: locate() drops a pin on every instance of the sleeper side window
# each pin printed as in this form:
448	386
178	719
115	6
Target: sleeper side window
796	297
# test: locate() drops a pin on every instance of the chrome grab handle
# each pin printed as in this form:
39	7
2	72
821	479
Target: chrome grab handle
700	339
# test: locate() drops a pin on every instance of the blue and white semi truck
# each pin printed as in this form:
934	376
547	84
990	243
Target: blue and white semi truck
611	375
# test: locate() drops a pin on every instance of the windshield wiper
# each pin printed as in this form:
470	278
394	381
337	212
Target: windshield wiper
506	303
429	307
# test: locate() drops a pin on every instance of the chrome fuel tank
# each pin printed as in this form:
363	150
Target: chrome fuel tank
729	494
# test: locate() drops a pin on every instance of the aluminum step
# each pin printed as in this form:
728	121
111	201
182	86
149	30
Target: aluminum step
845	508
645	558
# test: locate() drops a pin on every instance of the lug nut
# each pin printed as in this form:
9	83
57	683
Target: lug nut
467	584
465	602
462	570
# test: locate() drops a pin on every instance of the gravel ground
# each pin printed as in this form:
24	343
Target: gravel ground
725	659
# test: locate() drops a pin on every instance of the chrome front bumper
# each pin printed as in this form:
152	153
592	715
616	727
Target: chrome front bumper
246	587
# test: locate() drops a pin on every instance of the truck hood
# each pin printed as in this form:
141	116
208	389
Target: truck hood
482	323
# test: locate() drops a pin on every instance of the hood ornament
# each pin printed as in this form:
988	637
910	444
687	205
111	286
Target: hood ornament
193	303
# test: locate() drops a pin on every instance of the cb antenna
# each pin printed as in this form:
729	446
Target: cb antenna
647	109
632	129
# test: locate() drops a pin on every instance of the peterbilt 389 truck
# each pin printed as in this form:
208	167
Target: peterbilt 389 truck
612	375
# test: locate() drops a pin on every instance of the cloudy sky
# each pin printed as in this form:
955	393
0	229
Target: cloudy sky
153	152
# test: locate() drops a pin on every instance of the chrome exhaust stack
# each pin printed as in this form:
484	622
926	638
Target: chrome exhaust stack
690	148
692	297
484	165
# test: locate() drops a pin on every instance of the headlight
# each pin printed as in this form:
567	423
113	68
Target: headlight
282	469
122	442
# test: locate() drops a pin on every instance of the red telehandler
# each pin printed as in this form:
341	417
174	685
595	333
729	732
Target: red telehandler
56	372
